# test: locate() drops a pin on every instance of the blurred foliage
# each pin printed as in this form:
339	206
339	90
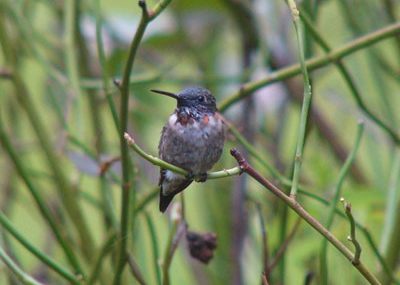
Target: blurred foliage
195	43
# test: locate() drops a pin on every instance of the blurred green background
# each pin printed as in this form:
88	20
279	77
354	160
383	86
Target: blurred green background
49	64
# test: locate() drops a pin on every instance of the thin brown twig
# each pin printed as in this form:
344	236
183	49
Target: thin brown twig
294	205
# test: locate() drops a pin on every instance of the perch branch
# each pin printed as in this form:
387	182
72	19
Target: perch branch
163	164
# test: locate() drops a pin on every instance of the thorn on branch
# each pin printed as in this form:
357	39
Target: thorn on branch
352	237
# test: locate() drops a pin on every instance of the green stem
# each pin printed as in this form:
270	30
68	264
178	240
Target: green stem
44	258
345	74
146	18
102	58
306	100
154	245
40	202
21	275
105	249
63	185
126	165
392	196
315	63
337	193
178	229
352	237
392	252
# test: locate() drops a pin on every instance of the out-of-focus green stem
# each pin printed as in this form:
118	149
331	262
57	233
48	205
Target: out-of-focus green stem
102	58
39	254
156	254
145	19
71	50
335	200
315	63
21	275
178	229
306	99
345	74
392	252
126	164
22	172
105	249
63	185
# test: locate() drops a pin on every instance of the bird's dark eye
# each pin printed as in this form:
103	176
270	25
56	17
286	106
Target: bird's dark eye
200	98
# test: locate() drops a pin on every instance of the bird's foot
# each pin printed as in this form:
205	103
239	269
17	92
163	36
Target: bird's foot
202	177
191	176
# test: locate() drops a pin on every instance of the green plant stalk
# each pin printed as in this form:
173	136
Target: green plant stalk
103	63
392	197
163	164
126	164
71	47
337	193
362	228
306	100
63	185
295	206
44	258
145	19
21	275
253	151
178	229
165	265
315	63
105	249
135	270
346	75
352	237
146	200
154	245
48	217
98	127
392	252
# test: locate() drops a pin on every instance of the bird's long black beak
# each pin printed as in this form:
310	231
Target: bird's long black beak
172	95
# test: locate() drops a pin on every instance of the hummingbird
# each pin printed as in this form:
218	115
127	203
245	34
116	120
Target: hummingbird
193	139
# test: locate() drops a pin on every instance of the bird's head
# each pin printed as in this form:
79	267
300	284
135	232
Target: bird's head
198	98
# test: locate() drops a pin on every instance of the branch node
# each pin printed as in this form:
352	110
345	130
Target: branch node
142	4
240	159
117	82
129	139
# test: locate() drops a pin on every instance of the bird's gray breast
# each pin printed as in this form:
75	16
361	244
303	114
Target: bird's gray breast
194	146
